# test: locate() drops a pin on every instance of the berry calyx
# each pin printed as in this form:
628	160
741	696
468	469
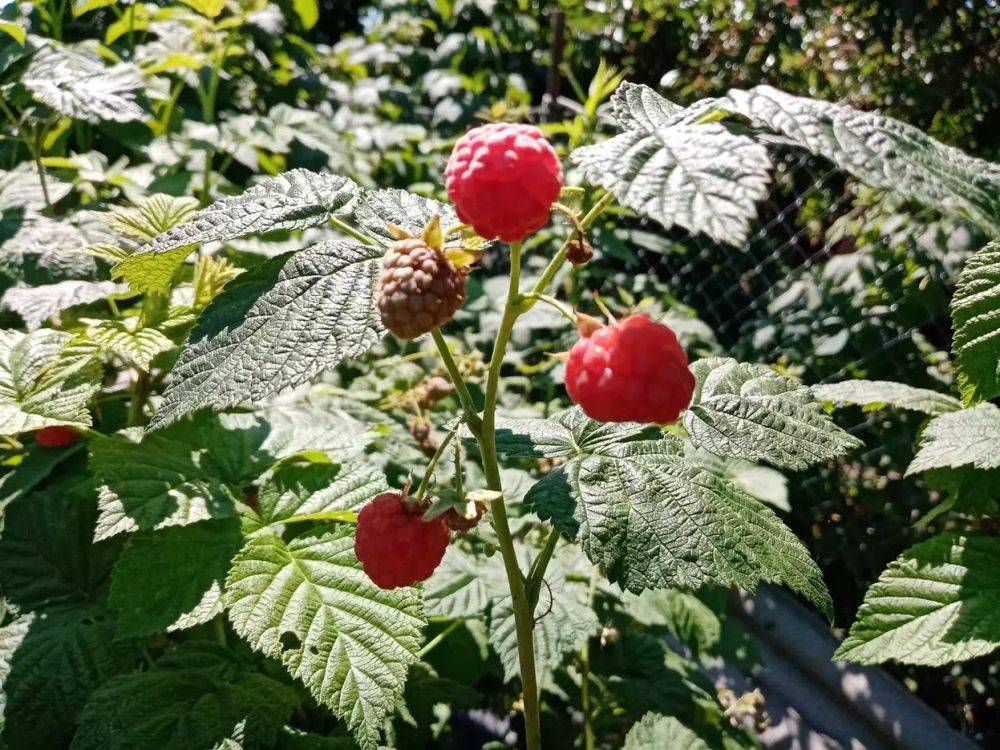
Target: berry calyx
56	436
503	179
395	546
421	288
632	370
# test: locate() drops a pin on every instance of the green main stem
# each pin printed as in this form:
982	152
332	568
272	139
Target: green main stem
523	616
483	429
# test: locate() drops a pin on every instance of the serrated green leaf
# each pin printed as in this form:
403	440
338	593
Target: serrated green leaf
970	436
639	107
883	152
49	663
41	385
935	604
37	304
876	394
654	519
310	426
309	604
295	490
193	697
764	483
277	326
128	339
376	209
75	82
172	579
295	200
462	585
753	413
975	313
46	557
151	216
568	433
657	732
193	471
698	176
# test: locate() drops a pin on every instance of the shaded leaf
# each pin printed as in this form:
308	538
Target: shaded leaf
934	605
194	471
49	663
193	697
172	579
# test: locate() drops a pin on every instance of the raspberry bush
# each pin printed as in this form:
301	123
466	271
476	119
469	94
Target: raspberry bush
209	538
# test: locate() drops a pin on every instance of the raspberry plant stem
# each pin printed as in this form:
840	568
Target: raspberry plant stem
557	260
523	622
471	413
436	640
537	572
429	472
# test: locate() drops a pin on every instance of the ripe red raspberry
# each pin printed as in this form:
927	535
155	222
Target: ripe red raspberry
421	289
503	179
395	545
630	371
56	436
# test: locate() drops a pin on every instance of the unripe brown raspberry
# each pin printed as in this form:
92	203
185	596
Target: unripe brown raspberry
434	389
419	427
421	289
461	523
579	252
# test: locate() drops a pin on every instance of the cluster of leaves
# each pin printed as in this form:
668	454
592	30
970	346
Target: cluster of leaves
932	605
